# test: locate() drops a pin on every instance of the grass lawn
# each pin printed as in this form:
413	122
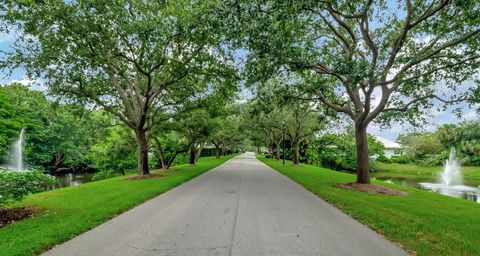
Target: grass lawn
73	210
423	173
423	222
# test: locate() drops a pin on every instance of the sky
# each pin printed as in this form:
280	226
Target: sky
435	118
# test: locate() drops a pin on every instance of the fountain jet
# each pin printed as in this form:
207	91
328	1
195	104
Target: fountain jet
16	153
451	174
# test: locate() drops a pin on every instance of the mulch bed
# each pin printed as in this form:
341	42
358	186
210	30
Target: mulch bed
142	177
10	215
371	188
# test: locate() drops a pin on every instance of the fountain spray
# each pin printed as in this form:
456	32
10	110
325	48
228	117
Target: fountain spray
16	153
451	174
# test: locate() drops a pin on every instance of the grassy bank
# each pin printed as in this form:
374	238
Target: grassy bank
73	210
422	173
423	222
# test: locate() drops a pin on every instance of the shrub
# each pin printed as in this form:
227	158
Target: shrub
384	159
14	186
434	159
181	159
474	161
400	159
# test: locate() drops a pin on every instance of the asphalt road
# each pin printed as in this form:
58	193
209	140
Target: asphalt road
242	207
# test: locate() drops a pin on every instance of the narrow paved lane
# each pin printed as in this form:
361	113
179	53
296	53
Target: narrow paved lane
240	208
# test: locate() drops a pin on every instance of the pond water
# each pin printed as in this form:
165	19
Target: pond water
471	193
70	179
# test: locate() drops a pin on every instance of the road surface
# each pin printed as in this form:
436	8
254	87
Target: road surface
242	207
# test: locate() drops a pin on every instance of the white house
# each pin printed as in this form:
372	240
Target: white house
391	148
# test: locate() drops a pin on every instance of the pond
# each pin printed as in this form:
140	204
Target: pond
70	179
471	193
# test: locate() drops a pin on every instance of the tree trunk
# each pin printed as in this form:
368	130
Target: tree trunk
161	158
199	152
363	174
142	152
192	154
277	152
295	153
58	159
162	161
217	149
258	149
170	161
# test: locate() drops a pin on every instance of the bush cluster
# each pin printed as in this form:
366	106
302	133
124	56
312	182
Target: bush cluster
384	159
14	186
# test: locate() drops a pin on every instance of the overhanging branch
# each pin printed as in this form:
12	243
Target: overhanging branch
430	96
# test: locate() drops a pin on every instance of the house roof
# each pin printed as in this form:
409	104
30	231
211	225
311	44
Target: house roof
387	143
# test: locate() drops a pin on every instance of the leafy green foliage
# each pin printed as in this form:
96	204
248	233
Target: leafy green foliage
422	147
170	147
115	152
134	59
69	137
399	159
338	152
276	114
228	130
432	148
384	159
15	186
57	135
372	61
9	124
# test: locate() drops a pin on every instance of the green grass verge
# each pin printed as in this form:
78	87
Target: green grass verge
423	222
71	211
424	173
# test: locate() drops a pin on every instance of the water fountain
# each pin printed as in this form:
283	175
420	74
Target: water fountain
16	154
451	174
451	181
16	163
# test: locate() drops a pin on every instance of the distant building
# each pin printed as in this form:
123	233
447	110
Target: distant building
391	148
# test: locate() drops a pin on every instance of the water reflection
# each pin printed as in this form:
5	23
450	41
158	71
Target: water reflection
70	179
459	191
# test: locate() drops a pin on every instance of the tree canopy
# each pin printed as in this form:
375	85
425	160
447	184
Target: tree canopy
370	60
164	76
132	58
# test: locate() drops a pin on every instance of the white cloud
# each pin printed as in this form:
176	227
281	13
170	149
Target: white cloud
33	84
389	133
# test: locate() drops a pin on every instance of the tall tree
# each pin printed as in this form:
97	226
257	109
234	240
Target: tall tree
113	152
234	129
370	60
131	58
225	132
196	127
169	146
301	121
265	123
